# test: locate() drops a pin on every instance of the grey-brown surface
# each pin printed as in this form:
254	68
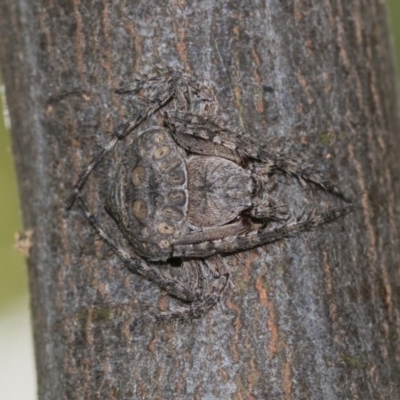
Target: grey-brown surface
313	317
192	192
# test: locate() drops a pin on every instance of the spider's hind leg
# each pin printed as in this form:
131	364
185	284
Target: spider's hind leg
202	297
155	92
212	293
172	286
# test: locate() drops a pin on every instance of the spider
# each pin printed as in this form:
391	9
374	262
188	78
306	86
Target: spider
193	189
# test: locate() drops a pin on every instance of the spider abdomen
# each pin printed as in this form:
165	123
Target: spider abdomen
149	198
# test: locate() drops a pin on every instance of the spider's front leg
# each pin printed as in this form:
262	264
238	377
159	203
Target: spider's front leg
254	238
201	135
265	207
269	211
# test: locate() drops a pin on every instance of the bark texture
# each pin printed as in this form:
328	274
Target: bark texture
314	317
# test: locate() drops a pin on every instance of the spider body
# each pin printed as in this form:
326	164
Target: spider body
194	189
163	196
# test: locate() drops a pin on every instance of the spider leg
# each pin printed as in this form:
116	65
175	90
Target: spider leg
209	137
270	211
199	308
88	170
121	133
216	233
193	270
256	238
195	310
158	90
137	266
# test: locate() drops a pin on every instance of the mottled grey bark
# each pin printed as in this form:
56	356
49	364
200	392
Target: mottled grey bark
315	317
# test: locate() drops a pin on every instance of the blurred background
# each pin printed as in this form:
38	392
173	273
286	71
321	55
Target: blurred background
17	375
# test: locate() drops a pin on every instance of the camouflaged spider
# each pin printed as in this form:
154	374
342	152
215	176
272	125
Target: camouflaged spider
193	189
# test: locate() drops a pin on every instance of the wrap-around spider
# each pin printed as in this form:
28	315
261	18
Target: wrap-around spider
193	189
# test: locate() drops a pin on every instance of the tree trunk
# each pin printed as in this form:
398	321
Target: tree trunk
313	317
